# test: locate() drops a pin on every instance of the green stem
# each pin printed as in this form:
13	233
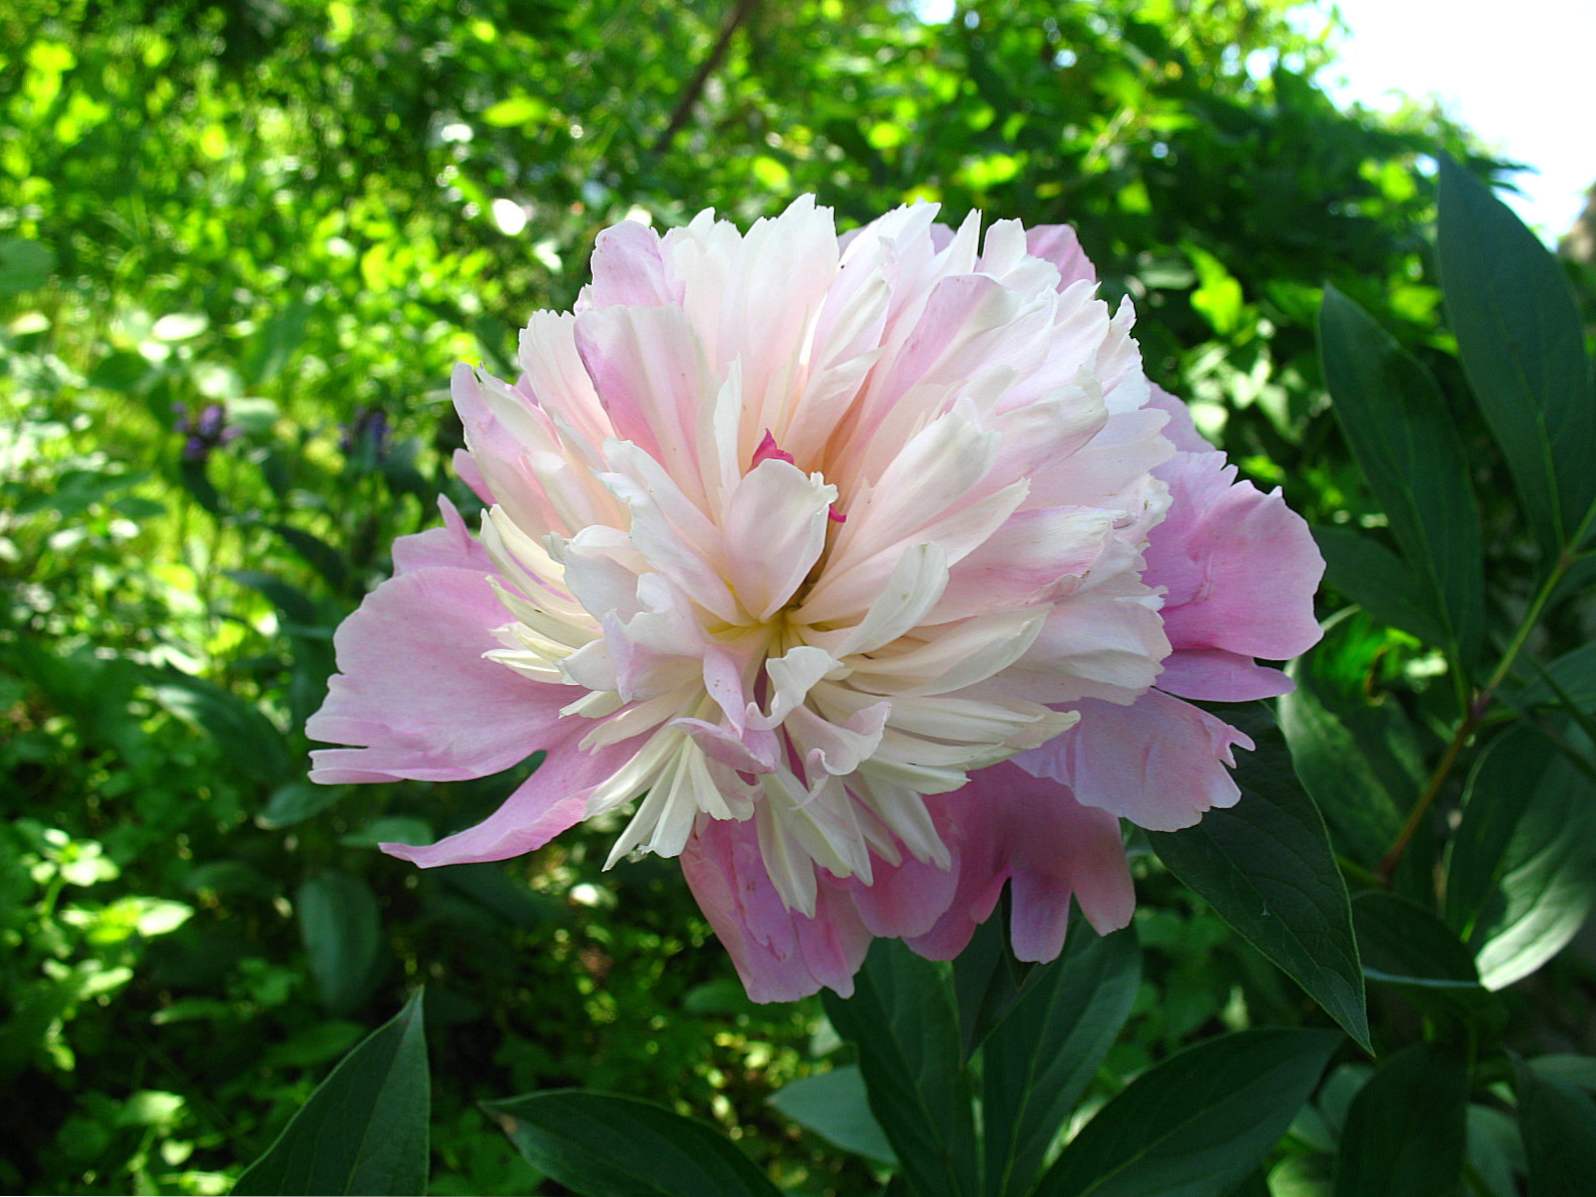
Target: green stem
1477	709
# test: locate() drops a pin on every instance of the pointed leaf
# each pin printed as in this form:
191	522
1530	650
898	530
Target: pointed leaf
1040	1058
605	1145
1519	334
1405	1129
1559	1126
1360	762
986	980
364	1129
1405	946
902	1020
1521	876
1196	1124
342	933
835	1106
1266	867
1375	578
1406	442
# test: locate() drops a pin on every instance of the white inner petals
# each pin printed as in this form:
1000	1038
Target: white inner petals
978	431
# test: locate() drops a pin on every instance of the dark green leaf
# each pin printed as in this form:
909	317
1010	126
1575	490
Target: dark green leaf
1574	673
1559	1126
1579	1071
244	735
342	933
605	1145
364	1129
1521	877
1407	444
326	560
986	979
901	1019
1518	331
1375	578
1040	1058
1495	1150
835	1106
1196	1124
24	265
1404	945
1359	761
295	604
1266	867
1405	1130
295	802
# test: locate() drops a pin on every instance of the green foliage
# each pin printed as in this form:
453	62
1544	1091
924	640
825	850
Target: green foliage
1199	1122
1042	1055
1267	868
600	1145
1404	1131
364	1130
1519	334
903	1020
304	214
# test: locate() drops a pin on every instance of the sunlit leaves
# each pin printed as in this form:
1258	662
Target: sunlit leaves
24	265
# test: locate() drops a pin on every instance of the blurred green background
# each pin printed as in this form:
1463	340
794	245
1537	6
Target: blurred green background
241	245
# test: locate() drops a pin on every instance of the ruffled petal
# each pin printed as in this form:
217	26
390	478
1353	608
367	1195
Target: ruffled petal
780	955
1213	675
1008	826
1059	244
451	546
629	268
414	695
1159	763
1240	567
553	799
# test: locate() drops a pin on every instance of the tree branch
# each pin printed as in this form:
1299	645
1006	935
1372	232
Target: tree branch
695	86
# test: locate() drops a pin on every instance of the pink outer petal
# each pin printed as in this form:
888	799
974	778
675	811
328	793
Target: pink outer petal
1159	763
1213	675
1180	429
1007	825
1058	244
466	468
628	268
780	955
451	546
1240	566
553	799
414	694
905	901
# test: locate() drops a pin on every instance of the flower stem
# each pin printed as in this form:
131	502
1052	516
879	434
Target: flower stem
1477	709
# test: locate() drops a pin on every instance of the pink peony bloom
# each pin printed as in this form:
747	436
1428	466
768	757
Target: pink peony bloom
868	574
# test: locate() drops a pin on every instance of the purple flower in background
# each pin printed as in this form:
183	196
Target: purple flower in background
206	433
366	434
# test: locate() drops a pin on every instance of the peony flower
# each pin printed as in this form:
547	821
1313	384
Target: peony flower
864	574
